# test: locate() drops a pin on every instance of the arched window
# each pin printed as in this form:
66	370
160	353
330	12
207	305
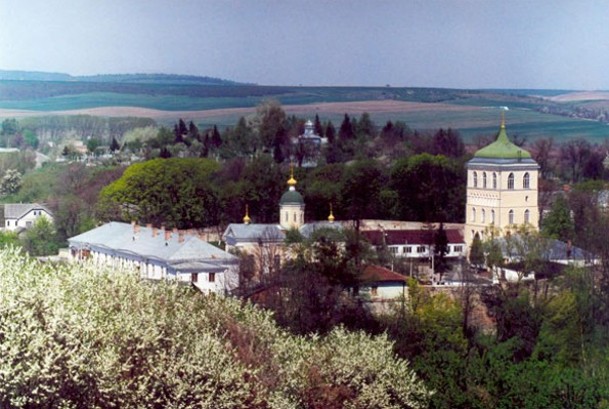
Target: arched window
484	180
494	180
527	216
473	214
526	181
475	179
511	217
511	181
492	217
483	215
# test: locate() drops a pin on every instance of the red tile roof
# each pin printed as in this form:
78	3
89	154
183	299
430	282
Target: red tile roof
378	274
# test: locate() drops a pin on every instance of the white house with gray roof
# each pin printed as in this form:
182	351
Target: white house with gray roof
19	216
158	254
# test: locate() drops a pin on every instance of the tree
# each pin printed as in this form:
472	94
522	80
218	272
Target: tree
440	250
558	223
346	131
41	238
270	118
10	182
318	129
476	252
114	145
448	143
430	188
175	192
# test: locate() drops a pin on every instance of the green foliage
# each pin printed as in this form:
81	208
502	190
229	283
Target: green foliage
175	192
430	188
10	182
558	223
41	239
81	337
476	252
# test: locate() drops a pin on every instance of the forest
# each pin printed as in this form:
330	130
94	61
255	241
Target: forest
548	345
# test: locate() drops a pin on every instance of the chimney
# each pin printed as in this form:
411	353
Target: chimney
181	237
167	235
155	231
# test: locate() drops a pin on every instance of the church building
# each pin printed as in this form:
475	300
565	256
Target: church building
502	188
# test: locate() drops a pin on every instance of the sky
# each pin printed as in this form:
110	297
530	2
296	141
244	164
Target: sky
539	44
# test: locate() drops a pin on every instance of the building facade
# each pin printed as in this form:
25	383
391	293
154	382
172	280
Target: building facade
502	188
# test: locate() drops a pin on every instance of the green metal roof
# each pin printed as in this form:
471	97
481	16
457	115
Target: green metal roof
291	196
502	148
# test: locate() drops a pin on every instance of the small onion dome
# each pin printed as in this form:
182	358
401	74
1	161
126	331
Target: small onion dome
502	148
291	197
331	217
246	218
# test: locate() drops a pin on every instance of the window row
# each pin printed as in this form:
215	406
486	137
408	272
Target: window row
511	220
526	180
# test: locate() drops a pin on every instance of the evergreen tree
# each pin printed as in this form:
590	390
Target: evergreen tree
319	130
114	145
330	132
346	129
476	252
216	139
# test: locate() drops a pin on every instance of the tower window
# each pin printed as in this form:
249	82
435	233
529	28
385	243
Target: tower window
511	181
483	215
473	214
527	216
511	217
494	180
484	180
475	179
492	216
526	181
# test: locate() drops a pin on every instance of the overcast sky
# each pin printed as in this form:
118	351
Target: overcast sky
444	43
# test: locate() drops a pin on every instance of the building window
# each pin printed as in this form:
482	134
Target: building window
492	217
458	249
526	181
393	249
527	216
511	181
494	180
484	180
473	214
475	179
194	277
294	217
408	249
286	217
511	217
212	277
483	215
420	249
8	222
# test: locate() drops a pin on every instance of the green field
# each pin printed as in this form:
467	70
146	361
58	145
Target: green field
473	112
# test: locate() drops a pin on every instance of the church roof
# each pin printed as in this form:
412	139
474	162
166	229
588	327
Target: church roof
291	197
502	148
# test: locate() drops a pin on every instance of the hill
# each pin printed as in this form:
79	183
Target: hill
210	101
8	75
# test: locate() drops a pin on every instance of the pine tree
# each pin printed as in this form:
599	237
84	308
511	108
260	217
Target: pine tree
346	129
114	145
319	130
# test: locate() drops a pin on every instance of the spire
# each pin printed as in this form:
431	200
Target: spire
291	181
331	216
502	118
246	218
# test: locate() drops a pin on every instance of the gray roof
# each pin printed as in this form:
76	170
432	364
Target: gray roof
124	239
18	210
248	233
270	233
